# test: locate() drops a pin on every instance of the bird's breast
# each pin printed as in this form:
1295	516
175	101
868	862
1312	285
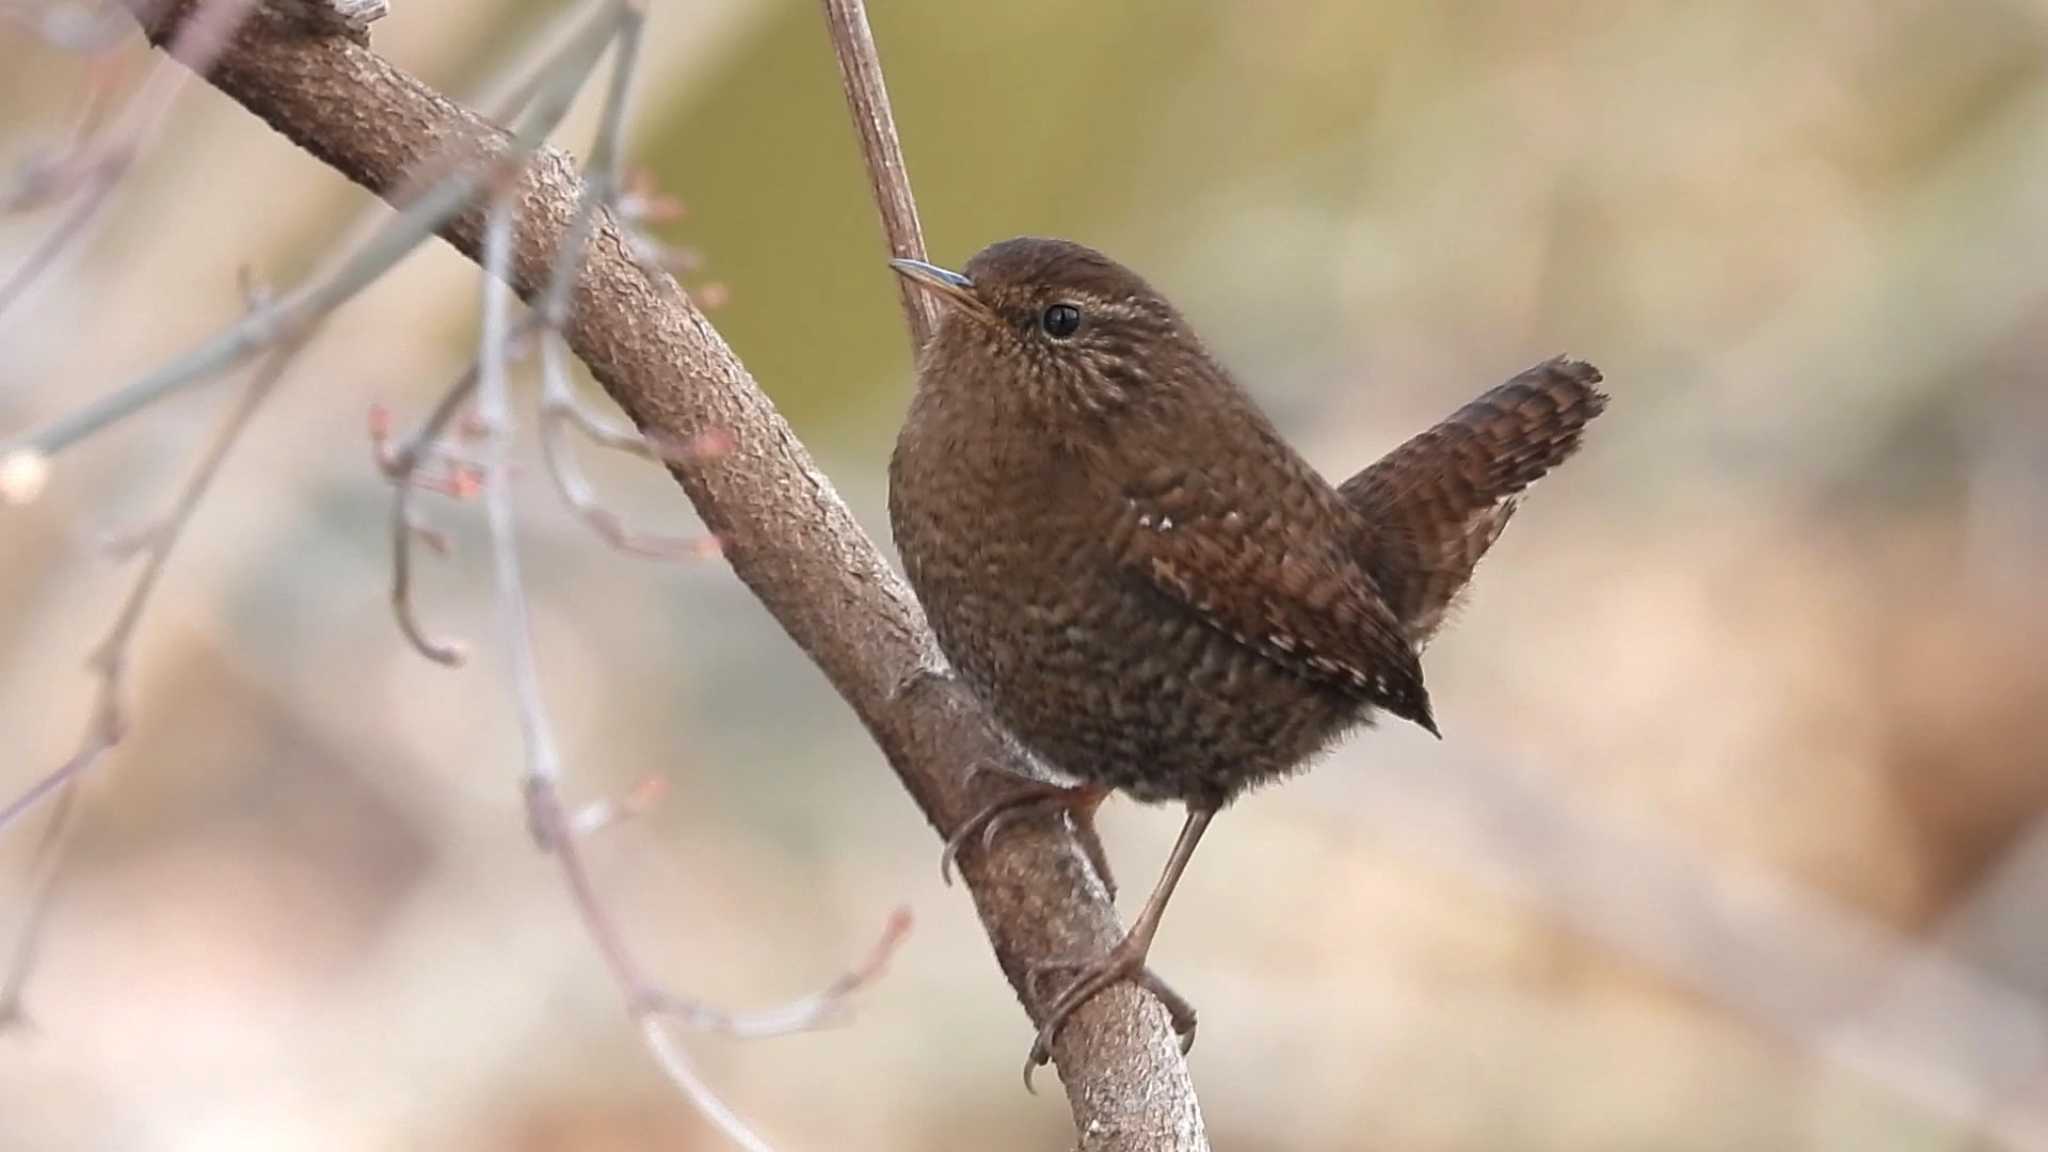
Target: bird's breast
1000	544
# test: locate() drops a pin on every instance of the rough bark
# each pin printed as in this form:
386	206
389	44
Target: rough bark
785	532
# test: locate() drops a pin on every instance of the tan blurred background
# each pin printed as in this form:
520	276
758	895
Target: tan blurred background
1734	840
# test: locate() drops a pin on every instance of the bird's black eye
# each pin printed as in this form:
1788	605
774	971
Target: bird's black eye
1060	321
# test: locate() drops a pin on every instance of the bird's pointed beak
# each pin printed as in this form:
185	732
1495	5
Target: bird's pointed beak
950	287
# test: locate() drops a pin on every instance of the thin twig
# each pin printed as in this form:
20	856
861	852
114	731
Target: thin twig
802	1015
52	849
494	417
101	165
654	1009
282	327
94	172
601	172
258	330
400	468
605	434
547	815
551	824
561	411
560	408
525	87
867	96
55	173
109	662
322	294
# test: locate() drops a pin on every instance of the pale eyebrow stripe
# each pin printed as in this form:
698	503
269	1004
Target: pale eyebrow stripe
1118	307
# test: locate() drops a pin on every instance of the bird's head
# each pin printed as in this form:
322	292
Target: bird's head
1059	327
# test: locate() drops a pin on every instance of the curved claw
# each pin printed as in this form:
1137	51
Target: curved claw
1126	960
1040	1054
1028	806
986	822
1178	1010
948	855
1095	977
1030	797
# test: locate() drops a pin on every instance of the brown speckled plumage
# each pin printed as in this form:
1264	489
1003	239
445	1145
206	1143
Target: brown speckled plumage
1142	580
1429	509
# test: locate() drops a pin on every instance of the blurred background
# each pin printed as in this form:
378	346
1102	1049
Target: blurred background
1735	837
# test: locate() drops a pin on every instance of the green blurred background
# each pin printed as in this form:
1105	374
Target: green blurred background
1732	842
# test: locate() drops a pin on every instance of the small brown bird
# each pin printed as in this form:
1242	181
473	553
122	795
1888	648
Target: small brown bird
1144	583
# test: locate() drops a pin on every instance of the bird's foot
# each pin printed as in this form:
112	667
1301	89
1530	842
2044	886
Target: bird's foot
1032	797
1126	961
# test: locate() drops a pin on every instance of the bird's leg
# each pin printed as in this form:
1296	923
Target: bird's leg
1126	961
1033	797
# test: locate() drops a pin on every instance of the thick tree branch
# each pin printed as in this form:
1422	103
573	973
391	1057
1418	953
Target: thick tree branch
785	532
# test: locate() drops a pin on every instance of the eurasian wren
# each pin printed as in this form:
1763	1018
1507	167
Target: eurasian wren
1143	582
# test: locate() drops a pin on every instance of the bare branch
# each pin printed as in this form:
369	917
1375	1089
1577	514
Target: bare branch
285	327
785	532
282	327
110	663
91	171
97	166
560	411
45	176
322	294
601	174
44	869
494	415
819	1008
705	447
402	467
860	74
547	816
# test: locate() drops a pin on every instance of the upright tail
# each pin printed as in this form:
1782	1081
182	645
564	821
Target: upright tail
1432	507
